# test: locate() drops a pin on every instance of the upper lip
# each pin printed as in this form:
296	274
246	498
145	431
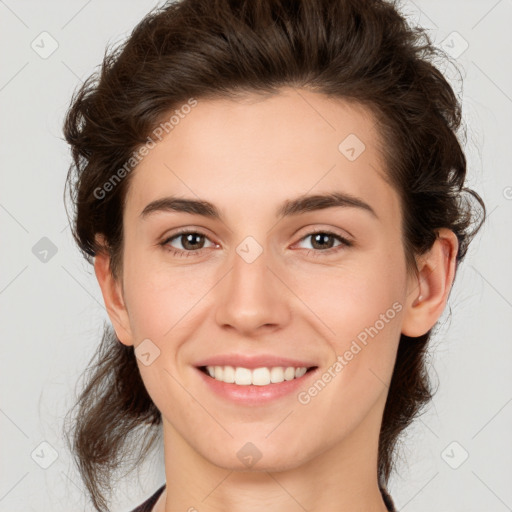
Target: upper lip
254	361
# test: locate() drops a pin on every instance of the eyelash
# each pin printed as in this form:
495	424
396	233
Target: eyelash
314	252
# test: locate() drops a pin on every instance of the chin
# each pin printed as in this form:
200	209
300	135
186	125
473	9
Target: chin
256	457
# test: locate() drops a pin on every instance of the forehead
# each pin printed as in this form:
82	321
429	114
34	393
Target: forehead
261	150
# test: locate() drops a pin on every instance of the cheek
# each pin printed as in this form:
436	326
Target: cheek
163	300
357	293
359	308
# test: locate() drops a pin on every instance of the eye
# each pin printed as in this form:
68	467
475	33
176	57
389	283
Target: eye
190	241
322	242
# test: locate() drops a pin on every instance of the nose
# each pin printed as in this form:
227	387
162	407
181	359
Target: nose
253	296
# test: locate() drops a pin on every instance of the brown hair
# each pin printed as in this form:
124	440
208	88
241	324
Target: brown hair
358	50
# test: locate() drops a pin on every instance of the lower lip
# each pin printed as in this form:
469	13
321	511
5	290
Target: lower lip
253	395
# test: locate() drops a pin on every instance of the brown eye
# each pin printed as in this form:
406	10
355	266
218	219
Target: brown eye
190	241
324	241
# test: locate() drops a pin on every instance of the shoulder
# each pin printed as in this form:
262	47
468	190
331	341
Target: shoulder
150	502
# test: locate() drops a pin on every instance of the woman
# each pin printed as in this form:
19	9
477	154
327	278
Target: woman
272	194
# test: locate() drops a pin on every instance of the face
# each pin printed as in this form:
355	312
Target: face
271	281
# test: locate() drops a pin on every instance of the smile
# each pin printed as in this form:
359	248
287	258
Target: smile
257	377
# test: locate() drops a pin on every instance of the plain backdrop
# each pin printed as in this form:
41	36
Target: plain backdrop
456	458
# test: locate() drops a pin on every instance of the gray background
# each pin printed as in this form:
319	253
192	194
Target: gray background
51	310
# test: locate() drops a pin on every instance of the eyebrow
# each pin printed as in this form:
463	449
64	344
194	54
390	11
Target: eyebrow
299	205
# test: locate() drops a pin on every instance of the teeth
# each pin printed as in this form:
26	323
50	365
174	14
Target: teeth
228	374
299	372
257	377
276	375
243	377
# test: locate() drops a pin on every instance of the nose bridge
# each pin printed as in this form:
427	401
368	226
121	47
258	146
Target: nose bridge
250	272
251	296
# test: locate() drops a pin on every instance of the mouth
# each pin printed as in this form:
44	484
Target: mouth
263	376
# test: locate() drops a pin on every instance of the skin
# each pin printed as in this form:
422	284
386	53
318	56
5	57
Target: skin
321	456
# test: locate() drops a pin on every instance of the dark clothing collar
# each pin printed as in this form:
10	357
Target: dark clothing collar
150	502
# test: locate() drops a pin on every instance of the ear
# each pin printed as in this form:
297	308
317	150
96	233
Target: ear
112	292
428	291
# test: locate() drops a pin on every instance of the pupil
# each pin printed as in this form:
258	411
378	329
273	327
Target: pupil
189	240
321	236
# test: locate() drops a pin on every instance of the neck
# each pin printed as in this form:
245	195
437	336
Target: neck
343	478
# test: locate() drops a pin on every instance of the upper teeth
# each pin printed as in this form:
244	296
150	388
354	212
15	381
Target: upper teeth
258	376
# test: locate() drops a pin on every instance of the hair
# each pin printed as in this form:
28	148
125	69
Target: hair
362	51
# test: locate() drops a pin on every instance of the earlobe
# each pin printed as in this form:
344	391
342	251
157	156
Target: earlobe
428	291
113	297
